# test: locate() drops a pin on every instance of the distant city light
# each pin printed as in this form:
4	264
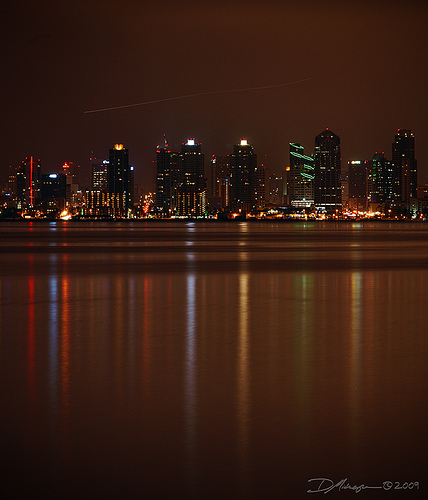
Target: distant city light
53	176
190	142
244	142
65	215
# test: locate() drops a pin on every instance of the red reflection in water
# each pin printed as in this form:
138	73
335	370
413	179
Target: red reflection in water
146	336
65	366
31	335
65	342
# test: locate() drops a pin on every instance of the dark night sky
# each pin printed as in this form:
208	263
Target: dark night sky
367	64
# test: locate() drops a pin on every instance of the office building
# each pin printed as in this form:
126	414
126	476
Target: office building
300	177
246	183
163	180
327	163
53	193
220	169
190	180
28	178
357	185
120	182
99	170
404	167
379	180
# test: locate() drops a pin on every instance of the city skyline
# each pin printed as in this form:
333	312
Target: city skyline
347	59
186	187
228	149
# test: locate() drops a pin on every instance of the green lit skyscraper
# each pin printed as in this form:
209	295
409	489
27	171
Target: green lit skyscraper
380	180
300	177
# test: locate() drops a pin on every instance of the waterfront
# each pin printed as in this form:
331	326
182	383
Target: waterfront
205	360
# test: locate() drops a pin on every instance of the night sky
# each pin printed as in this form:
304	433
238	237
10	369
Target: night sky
366	63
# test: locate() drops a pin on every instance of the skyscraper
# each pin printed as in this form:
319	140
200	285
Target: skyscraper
28	180
220	170
120	182
245	179
191	180
380	180
300	177
53	192
357	185
404	168
327	163
220	173
99	175
163	179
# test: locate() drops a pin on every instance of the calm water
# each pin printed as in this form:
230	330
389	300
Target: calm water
213	360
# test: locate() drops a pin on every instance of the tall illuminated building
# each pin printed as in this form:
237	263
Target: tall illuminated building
380	180
220	170
99	171
191	181
327	163
357	185
300	177
163	180
404	167
28	179
120	182
53	192
276	187
246	183
167	180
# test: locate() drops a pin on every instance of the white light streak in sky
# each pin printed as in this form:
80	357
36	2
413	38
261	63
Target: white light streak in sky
195	95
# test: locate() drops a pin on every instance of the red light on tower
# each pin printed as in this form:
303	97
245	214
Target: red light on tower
31	182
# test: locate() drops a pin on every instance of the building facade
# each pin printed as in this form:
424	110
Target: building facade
380	181
53	193
120	182
300	177
404	166
28	183
357	185
327	163
99	172
245	179
191	180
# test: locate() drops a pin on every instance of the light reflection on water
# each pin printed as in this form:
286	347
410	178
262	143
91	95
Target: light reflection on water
243	396
190	380
237	373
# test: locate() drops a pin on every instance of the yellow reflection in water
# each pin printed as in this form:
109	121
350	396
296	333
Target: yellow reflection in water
147	327
357	310
243	379
305	329
119	332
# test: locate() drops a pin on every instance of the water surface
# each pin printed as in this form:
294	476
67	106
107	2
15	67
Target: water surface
212	360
